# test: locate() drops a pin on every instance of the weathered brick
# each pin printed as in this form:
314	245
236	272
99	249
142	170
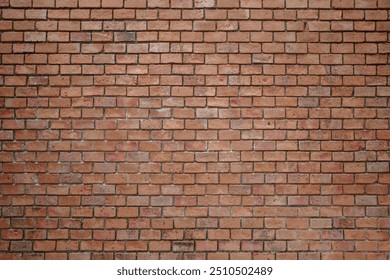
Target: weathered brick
194	129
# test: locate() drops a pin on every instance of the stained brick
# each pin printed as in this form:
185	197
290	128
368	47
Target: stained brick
125	37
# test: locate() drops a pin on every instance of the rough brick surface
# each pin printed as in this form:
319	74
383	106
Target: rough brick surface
194	129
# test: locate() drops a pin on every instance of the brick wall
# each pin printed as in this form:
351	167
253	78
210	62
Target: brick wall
194	129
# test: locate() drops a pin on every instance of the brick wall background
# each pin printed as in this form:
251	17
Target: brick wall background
194	129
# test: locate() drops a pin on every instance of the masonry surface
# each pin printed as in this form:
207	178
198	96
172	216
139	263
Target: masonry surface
194	129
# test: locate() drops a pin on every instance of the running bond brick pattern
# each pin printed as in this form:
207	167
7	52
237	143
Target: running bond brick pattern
194	129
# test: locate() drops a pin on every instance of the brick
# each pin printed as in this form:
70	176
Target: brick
297	4
66	3
206	246
204	3
194	129
125	37
383	4
35	36
342	4
273	4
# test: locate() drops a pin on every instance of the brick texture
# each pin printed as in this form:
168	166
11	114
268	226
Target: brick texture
194	129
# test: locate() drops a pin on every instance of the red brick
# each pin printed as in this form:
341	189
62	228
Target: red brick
142	123
297	4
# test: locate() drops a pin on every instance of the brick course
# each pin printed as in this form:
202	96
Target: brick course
194	129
